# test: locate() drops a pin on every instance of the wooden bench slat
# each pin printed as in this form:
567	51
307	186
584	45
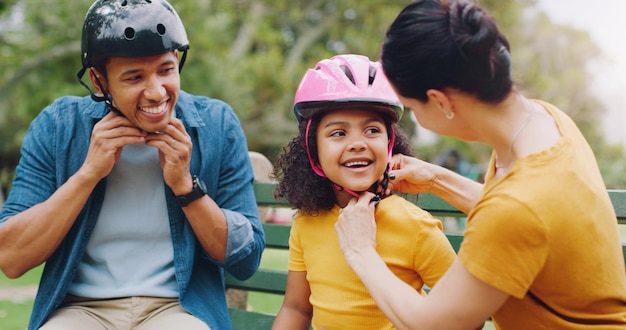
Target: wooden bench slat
264	193
276	236
264	280
618	198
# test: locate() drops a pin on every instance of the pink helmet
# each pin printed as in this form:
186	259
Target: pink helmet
346	81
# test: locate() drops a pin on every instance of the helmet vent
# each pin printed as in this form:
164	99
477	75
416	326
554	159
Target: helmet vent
372	75
161	29
348	73
129	33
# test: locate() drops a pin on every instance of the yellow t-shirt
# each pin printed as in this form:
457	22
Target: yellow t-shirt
409	240
547	234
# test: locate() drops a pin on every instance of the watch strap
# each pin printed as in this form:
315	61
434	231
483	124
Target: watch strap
196	192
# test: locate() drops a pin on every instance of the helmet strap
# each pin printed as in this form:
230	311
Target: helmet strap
385	181
94	97
106	99
182	60
316	167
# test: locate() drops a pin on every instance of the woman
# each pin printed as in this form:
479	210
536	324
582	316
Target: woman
541	248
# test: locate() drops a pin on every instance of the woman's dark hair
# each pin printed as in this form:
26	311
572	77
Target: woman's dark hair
434	44
297	182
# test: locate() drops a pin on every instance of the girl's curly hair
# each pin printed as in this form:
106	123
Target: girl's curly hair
297	182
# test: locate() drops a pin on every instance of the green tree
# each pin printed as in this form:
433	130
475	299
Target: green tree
253	53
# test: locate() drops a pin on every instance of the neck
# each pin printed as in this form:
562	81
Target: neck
506	159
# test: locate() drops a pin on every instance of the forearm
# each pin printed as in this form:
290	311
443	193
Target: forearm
457	190
209	225
28	238
291	319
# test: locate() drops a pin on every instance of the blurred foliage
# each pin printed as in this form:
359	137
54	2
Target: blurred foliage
253	53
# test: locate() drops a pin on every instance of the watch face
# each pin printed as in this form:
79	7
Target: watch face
200	184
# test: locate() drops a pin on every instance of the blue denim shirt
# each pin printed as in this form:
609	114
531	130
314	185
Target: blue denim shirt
56	146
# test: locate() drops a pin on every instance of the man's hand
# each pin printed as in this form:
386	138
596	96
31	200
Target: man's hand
108	138
175	147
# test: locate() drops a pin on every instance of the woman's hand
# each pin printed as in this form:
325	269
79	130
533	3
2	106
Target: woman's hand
414	176
411	175
356	228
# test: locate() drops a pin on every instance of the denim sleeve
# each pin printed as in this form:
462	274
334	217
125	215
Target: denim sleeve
35	175
235	195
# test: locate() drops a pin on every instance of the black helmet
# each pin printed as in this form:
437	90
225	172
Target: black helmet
131	28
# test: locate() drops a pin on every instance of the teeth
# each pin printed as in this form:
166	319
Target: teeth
350	164
157	109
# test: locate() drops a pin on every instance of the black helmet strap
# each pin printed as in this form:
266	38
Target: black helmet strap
94	97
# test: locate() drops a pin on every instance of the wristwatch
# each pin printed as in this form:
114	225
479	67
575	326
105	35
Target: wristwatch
199	190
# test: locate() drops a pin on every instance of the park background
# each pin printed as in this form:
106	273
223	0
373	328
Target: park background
252	54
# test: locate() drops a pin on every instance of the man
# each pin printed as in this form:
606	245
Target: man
138	198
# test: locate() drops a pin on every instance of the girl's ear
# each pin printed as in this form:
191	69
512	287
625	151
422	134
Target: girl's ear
442	101
97	81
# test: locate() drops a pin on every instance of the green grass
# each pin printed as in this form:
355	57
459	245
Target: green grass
30	278
267	302
14	314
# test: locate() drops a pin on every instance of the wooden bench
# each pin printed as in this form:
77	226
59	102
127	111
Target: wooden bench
277	237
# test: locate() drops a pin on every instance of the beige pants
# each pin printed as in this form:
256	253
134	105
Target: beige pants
136	313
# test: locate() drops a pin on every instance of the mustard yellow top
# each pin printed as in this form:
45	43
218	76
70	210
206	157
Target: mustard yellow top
409	240
547	234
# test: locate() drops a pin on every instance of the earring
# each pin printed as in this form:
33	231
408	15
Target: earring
450	115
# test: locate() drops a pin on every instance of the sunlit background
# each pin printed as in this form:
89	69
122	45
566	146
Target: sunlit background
604	20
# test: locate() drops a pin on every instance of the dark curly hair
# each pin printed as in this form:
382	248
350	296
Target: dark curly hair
297	182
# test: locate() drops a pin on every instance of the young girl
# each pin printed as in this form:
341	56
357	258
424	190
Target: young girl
347	115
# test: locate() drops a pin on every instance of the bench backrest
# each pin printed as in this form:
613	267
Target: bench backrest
277	237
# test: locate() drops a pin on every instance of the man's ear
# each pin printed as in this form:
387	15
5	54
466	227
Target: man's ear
442	101
97	81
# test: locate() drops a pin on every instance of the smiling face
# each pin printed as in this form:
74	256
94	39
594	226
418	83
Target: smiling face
144	89
352	148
